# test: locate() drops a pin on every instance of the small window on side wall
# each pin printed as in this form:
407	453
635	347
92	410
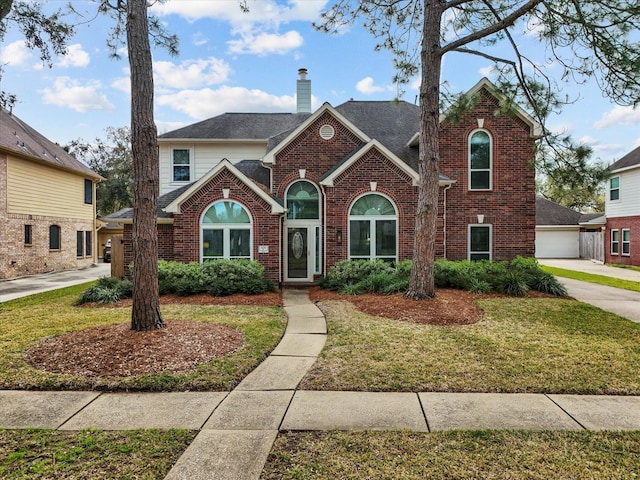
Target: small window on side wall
614	189
54	237
88	243
626	241
181	165
28	234
615	242
479	242
480	161
80	243
88	191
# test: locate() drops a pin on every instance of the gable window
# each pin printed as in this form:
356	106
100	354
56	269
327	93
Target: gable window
626	241
54	237
181	164
373	229
88	191
615	242
303	201
28	234
614	188
479	242
480	161
226	232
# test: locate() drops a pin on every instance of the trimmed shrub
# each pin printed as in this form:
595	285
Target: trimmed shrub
351	272
513	283
545	282
106	290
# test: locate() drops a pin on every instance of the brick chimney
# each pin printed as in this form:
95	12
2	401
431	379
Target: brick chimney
303	92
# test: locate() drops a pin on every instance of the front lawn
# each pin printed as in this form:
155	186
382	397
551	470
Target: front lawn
593	278
27	320
516	455
521	345
90	455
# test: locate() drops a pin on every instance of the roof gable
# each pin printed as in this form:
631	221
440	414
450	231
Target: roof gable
630	160
18	138
270	157
175	204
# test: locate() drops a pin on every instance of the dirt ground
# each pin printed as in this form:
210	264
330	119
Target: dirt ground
116	351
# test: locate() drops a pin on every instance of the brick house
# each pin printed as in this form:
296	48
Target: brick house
622	209
299	192
47	204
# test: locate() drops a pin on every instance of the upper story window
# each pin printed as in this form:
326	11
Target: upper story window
226	231
303	201
181	165
88	191
480	160
54	237
373	229
614	188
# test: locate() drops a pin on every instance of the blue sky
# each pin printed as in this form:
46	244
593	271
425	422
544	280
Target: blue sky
230	61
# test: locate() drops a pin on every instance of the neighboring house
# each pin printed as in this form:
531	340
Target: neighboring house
564	233
622	208
47	204
299	192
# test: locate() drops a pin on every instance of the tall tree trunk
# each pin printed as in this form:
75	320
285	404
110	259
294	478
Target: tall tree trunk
145	314
422	282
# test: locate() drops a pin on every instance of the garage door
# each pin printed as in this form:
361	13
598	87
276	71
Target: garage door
557	244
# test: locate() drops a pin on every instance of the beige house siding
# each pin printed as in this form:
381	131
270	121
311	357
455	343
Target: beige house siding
32	187
41	196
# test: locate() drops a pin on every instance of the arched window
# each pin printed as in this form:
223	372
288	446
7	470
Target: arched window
226	231
54	237
303	201
373	228
480	160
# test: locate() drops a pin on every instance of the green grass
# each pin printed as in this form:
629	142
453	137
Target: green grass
27	320
521	345
626	267
454	455
90	454
593	278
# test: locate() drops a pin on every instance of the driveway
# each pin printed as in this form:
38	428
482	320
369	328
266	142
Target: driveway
21	287
621	302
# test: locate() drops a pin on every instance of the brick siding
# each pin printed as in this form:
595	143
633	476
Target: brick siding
619	223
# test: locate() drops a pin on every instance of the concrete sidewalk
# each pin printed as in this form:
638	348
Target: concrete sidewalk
621	302
238	428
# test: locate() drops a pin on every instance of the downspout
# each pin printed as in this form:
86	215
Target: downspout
444	221
324	230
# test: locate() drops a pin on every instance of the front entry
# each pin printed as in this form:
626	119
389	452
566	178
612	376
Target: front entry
303	253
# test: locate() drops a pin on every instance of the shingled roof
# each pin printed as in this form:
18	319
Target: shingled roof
631	159
551	213
18	138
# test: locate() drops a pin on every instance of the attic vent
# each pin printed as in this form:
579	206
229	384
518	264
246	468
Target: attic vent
327	132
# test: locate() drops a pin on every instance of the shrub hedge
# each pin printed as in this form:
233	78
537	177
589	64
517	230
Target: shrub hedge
511	278
217	278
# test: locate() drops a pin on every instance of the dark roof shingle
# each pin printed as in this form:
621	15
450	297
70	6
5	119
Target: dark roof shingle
631	159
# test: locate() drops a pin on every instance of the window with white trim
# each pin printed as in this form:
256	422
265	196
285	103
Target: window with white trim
615	242
303	201
181	165
226	232
480	160
626	241
479	245
373	234
614	189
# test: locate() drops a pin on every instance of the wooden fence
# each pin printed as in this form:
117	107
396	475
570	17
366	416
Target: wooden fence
592	246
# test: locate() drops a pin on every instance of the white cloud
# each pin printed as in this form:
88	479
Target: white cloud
262	12
618	116
15	53
367	87
207	102
75	57
69	93
486	71
123	84
266	43
191	73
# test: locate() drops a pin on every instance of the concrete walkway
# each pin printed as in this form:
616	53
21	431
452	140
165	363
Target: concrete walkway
621	302
237	428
